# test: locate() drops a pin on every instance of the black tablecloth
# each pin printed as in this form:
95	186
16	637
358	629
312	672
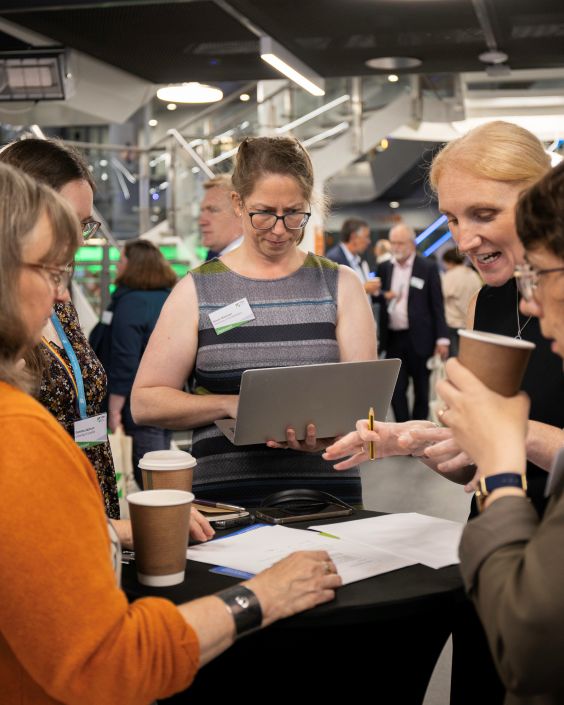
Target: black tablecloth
383	634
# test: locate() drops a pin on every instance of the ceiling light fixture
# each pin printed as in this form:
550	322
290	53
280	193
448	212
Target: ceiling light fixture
393	63
153	122
192	92
287	64
393	78
171	106
245	97
394	204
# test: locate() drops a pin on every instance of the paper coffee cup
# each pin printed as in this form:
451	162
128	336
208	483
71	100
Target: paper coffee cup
167	470
496	360
160	520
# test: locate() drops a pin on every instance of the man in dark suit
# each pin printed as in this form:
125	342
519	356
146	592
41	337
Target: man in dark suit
355	238
413	323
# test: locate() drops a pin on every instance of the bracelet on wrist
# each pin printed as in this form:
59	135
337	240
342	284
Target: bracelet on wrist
243	605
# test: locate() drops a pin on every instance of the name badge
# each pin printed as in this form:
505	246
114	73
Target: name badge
232	316
91	431
417	282
107	317
556	474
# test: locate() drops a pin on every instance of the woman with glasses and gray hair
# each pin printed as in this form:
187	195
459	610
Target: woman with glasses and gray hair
302	309
67	632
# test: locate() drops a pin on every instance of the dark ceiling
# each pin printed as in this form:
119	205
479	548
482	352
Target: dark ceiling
199	40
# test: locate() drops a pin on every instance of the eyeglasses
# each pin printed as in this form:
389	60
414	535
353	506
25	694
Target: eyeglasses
90	228
263	220
59	277
528	278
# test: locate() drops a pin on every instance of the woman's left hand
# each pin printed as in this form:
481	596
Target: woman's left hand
200	528
491	428
310	444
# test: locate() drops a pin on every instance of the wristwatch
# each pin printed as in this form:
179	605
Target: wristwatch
243	605
494	482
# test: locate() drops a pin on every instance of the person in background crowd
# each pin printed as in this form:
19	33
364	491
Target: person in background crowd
355	239
144	281
460	285
67	632
382	251
305	310
220	229
413	324
510	558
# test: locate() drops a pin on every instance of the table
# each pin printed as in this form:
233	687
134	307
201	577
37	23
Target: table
381	636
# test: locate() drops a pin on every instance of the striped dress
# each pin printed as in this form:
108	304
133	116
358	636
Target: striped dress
295	324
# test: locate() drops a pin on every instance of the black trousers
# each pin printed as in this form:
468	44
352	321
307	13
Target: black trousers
414	366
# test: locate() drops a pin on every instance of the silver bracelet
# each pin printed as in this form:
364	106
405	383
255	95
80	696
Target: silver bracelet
243	605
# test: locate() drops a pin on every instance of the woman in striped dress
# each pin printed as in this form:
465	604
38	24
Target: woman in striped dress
306	309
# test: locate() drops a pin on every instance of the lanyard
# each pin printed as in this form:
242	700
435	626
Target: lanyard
76	373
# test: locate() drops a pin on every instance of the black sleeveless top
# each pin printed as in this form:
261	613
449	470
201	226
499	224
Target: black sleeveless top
496	312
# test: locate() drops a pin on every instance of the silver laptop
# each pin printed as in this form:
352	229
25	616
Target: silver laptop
333	396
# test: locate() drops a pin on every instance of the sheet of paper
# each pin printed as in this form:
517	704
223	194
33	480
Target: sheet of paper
422	539
256	550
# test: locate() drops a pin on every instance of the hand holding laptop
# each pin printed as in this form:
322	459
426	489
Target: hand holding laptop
310	444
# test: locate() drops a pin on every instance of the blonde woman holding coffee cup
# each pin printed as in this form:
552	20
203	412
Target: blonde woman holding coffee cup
67	632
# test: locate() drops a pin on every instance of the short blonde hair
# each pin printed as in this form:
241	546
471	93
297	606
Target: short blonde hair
497	150
22	202
220	181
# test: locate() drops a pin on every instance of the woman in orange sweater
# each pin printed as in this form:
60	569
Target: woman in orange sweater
67	632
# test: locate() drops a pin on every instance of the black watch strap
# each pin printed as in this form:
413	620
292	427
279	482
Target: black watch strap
243	605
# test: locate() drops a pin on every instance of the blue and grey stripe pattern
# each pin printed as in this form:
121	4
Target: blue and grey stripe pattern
295	324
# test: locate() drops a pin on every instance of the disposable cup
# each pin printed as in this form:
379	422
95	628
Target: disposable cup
167	470
160	520
497	360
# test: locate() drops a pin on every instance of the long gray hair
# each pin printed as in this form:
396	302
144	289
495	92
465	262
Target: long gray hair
22	202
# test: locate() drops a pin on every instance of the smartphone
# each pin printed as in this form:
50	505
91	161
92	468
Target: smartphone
279	515
233	522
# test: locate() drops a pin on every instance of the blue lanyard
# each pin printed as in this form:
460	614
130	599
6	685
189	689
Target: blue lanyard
77	372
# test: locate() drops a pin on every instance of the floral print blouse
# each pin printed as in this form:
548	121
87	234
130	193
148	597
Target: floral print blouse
58	395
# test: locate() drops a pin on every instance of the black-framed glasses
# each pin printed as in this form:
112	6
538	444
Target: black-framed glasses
59	277
264	220
528	278
90	228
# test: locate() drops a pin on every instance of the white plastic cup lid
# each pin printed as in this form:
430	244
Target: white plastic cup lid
167	460
160	498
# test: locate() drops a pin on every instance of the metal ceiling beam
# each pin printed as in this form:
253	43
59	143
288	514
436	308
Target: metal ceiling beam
484	19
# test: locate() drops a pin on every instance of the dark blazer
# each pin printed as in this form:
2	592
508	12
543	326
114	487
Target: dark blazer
336	254
425	306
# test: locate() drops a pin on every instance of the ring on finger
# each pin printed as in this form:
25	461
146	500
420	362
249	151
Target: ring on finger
328	567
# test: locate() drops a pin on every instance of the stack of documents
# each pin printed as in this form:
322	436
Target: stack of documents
360	549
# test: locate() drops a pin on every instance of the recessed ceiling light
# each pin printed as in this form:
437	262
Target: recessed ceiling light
393	63
192	92
393	78
245	97
153	123
171	106
394	204
493	57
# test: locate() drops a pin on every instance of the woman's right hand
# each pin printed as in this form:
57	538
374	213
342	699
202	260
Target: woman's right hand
299	582
388	438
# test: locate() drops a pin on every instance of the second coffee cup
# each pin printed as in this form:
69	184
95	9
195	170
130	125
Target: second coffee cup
497	360
167	470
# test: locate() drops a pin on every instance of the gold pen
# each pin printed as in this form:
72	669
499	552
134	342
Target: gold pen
371	428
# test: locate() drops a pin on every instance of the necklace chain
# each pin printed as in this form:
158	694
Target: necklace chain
520	328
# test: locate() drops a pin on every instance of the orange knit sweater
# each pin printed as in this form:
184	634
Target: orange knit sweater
67	632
